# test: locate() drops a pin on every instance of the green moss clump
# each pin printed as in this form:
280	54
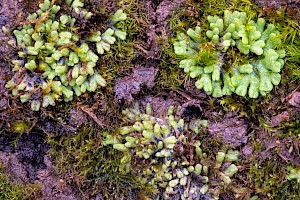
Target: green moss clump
81	156
10	190
293	53
203	57
60	61
269	180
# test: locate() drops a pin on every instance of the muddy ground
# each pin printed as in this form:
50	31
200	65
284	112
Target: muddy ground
27	160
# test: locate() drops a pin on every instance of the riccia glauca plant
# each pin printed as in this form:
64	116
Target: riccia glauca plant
55	61
205	55
175	164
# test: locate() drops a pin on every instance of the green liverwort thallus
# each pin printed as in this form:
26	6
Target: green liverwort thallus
202	55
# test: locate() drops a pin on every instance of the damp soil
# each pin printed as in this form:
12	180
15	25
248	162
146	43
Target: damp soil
26	157
29	150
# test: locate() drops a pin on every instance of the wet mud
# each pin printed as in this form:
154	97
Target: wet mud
28	149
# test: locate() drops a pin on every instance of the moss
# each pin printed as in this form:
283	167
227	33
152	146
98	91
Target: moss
9	190
13	191
292	69
290	128
168	76
267	180
93	169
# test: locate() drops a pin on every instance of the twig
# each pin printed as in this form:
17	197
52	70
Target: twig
91	114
